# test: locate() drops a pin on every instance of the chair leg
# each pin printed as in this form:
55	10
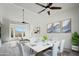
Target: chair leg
62	54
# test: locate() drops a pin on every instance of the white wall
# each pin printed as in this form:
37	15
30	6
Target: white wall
5	30
15	13
72	13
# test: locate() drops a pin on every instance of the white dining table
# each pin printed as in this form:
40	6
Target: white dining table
39	46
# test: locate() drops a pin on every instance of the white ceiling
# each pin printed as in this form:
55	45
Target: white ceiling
36	8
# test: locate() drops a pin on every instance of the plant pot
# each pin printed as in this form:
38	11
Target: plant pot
75	48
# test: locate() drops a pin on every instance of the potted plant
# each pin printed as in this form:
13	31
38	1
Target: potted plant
45	38
75	41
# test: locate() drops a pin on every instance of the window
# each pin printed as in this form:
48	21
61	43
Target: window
20	31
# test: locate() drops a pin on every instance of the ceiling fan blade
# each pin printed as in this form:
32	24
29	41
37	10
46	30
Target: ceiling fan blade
48	12
49	5
40	5
55	8
42	10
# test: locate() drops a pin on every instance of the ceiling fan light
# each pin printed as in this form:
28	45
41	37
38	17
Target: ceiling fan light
48	12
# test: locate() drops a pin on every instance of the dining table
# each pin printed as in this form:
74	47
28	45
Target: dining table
39	46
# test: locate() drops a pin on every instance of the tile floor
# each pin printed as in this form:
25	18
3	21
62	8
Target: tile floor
67	52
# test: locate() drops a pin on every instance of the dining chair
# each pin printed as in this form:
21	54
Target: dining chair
33	39
54	51
0	43
6	50
61	48
24	50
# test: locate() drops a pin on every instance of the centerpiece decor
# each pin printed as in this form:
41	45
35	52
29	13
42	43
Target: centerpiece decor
44	38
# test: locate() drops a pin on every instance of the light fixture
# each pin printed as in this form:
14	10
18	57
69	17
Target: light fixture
23	18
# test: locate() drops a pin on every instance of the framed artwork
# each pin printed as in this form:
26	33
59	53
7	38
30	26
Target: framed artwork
36	30
66	26
60	27
54	28
50	28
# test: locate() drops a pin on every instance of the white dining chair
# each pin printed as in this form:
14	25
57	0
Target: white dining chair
61	49
24	50
54	51
0	42
6	50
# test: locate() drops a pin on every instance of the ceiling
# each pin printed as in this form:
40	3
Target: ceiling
35	8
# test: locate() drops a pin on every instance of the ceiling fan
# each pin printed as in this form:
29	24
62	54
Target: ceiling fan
49	5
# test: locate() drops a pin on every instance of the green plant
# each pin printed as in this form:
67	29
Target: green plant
45	38
75	39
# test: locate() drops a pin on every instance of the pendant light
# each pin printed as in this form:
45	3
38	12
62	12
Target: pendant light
23	18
